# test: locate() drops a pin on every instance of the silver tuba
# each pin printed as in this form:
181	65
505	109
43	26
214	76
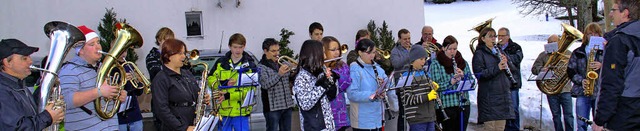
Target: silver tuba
63	36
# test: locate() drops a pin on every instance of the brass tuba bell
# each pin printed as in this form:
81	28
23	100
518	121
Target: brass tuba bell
558	61
126	37
479	28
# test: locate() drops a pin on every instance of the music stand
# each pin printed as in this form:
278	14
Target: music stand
252	75
468	84
542	76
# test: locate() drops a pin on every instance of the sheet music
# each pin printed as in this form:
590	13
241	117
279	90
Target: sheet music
248	99
249	79
465	85
551	47
403	80
544	75
595	41
125	105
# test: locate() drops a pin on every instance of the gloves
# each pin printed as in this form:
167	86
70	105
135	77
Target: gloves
433	94
331	89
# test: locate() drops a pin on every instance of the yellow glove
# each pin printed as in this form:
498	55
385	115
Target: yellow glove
433	94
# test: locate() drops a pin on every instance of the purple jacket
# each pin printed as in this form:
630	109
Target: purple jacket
339	105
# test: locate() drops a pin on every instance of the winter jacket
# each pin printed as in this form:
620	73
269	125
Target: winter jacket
577	71
339	105
514	54
399	57
542	59
417	107
222	71
275	88
618	102
312	94
154	64
133	113
365	113
443	78
494	95
174	98
18	107
77	75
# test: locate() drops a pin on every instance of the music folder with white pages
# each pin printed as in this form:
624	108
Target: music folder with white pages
125	105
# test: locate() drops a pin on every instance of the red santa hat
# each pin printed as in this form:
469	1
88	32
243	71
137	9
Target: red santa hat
88	34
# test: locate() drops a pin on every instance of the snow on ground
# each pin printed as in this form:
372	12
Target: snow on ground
530	32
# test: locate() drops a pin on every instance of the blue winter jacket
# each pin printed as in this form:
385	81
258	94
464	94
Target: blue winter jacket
365	113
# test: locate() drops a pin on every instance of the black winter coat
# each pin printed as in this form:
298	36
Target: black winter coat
494	93
618	104
174	98
514	53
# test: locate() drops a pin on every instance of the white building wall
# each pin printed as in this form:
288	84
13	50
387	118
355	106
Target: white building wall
255	19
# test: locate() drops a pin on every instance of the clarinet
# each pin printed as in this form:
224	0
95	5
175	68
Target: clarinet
513	80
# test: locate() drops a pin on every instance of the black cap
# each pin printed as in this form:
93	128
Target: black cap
9	47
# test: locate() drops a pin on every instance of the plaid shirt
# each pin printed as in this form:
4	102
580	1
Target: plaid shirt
443	79
278	88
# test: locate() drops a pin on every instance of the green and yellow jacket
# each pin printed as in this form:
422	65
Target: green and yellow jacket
222	71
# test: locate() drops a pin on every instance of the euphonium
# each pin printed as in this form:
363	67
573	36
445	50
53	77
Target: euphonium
558	61
126	37
592	75
285	60
479	28
137	77
63	36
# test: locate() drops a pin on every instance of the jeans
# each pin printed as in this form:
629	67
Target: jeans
237	123
428	126
279	120
133	126
584	106
561	102
514	124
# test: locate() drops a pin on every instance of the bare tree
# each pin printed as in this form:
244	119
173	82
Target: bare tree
551	7
585	13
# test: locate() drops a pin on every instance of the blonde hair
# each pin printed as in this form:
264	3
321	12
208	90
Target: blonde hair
591	28
163	34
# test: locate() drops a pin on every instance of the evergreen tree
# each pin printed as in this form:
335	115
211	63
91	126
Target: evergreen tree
284	42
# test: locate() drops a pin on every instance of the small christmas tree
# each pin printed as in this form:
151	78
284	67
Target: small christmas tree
284	42
107	30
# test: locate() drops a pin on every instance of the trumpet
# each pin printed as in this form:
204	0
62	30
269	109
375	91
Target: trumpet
344	48
385	54
285	60
137	77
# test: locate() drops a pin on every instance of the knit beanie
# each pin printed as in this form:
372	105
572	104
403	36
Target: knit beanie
417	52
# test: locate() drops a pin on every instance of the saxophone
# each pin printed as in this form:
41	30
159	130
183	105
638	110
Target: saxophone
592	75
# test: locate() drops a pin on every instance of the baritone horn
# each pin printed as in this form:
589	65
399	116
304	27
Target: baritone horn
478	28
126	37
285	60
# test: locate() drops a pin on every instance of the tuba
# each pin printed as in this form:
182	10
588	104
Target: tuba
592	75
559	61
479	28
126	37
63	36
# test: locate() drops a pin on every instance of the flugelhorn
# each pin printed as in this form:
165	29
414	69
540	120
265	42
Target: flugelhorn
137	77
126	37
285	60
63	36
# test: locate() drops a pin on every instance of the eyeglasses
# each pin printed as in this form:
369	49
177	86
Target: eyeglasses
491	36
612	10
502	35
274	51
